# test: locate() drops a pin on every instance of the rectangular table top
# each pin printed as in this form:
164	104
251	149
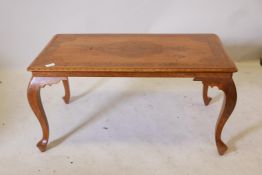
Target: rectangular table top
185	53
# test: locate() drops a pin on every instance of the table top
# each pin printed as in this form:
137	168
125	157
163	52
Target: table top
134	53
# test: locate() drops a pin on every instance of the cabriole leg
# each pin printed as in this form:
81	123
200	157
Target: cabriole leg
229	104
227	85
34	99
206	98
67	91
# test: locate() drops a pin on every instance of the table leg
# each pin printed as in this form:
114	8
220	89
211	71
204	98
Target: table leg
229	103
228	87
34	99
206	98
67	91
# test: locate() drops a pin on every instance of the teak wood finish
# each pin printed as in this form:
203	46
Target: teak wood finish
199	56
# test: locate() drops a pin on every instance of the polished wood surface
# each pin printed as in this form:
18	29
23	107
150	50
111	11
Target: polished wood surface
199	56
134	53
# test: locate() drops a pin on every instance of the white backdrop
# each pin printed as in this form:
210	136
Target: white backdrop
27	25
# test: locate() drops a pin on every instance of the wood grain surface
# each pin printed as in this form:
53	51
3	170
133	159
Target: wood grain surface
134	53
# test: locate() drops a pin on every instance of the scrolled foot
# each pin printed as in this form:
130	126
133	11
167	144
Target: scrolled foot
42	145
207	100
221	147
66	100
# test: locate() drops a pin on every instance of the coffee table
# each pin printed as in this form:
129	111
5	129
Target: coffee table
197	56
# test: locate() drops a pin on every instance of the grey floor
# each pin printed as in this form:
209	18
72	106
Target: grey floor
131	126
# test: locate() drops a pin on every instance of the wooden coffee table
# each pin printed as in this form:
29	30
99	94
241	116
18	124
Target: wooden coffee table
197	56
